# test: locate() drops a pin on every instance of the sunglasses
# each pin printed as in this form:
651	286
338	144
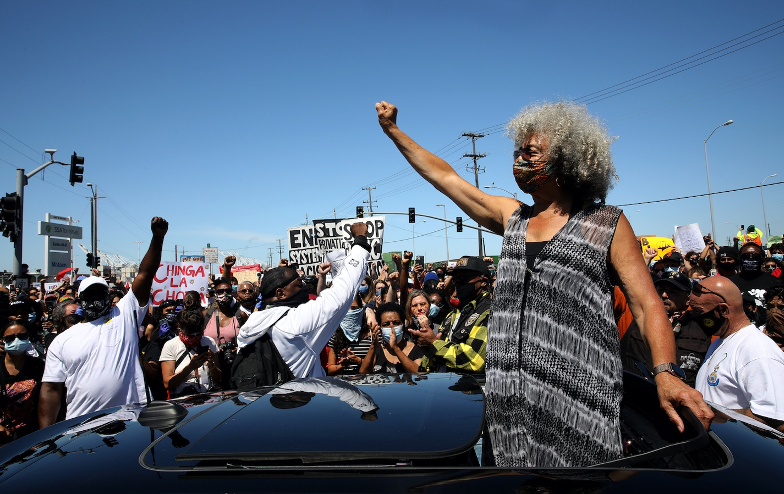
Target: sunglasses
224	290
11	337
246	290
699	289
751	256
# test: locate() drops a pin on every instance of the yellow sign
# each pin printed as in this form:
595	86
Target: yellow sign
662	244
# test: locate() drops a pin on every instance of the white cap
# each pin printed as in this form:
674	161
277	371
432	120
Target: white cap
91	281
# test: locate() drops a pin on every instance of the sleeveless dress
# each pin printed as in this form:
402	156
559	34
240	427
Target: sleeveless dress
554	375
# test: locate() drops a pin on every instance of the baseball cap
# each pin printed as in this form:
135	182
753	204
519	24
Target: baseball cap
91	281
470	263
728	251
676	279
673	256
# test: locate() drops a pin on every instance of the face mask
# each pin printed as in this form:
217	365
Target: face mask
31	317
434	310
385	332
352	324
234	288
190	340
363	289
778	257
465	293
17	346
531	175
94	309
671	269
298	298
751	266
710	323
223	299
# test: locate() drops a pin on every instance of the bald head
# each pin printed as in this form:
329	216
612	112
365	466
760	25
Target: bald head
718	292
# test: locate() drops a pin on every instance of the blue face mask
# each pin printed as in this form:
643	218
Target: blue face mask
778	257
31	317
352	324
363	289
398	333
17	346
434	310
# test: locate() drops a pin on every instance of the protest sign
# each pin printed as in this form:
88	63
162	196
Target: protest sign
174	279
184	258
245	273
50	286
663	245
336	234
689	237
303	249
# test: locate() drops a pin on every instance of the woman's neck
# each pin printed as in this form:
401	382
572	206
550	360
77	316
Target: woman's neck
14	361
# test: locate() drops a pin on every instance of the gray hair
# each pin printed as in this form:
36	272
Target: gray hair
58	314
579	145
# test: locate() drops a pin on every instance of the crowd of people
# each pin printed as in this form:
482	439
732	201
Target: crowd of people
574	301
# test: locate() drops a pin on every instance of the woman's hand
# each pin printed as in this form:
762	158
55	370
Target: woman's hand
199	360
387	115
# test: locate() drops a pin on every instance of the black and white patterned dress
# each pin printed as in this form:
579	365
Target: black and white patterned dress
554	375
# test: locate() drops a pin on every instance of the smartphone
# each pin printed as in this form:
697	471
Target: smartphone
420	260
202	350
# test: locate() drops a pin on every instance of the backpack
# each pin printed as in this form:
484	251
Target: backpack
259	364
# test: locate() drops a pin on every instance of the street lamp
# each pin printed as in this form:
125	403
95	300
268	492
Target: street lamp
446	237
707	172
492	186
413	236
765	227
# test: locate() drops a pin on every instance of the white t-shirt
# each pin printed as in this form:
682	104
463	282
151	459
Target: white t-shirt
743	371
99	360
173	350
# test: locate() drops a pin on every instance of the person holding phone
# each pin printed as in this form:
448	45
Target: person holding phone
188	363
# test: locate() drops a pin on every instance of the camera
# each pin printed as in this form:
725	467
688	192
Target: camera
229	350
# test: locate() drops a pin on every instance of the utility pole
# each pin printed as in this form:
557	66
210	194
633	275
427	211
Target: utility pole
306	219
94	223
370	200
280	248
139	251
476	171
270	255
334	213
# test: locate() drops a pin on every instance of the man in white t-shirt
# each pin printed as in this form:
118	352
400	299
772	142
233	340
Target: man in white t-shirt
97	361
743	368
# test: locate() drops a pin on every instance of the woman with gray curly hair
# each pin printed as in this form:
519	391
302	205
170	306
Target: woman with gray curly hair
554	375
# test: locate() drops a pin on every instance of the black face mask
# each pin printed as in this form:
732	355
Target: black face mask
94	309
465	293
751	266
298	298
710	323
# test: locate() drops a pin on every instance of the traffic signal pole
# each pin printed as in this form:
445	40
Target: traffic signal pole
21	181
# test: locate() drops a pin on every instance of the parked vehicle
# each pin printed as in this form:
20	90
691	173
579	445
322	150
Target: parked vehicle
394	433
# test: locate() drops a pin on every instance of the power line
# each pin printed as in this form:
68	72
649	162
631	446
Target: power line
699	195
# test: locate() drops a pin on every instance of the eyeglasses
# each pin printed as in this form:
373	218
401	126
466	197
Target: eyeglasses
246	290
224	290
11	337
465	277
699	289
751	256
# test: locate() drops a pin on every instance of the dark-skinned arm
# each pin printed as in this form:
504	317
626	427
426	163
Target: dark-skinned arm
152	260
49	403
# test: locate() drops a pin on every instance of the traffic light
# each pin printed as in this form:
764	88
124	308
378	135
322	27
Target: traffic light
360	211
89	259
97	261
76	169
9	215
459	223
411	215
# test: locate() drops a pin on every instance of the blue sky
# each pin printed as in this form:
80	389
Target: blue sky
235	120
